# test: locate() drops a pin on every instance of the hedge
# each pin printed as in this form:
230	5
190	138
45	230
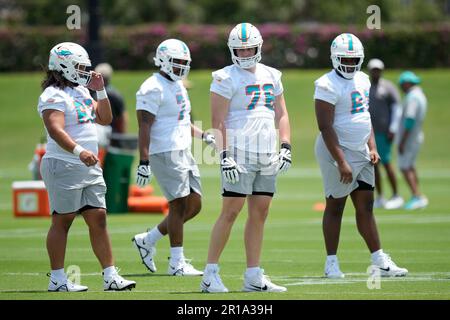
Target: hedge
285	46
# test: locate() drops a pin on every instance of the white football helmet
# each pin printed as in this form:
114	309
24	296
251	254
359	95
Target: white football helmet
69	58
243	36
169	50
347	45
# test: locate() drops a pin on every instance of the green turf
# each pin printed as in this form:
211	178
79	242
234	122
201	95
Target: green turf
293	252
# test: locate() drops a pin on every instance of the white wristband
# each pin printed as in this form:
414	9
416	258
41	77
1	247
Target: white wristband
102	94
78	149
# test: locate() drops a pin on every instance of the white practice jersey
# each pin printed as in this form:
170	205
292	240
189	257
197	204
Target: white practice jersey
169	102
350	98
79	119
250	122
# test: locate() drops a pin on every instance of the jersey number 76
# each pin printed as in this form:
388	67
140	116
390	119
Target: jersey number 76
254	90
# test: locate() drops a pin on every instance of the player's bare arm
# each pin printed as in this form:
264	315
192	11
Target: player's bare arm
325	119
374	156
145	122
196	132
102	106
282	119
54	123
207	137
219	111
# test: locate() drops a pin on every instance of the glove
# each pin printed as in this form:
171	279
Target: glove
284	158
143	174
230	169
209	139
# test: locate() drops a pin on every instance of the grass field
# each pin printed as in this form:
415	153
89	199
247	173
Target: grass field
293	253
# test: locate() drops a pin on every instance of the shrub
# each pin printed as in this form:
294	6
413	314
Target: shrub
285	46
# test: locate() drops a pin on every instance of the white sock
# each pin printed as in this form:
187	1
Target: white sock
332	257
154	235
109	272
58	274
375	255
176	254
252	271
211	267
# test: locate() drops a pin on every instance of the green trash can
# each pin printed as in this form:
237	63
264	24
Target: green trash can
117	171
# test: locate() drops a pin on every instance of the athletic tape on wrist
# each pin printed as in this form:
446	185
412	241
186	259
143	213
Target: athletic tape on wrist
77	150
102	94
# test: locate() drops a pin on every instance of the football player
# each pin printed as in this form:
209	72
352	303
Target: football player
70	167
346	152
165	130
247	106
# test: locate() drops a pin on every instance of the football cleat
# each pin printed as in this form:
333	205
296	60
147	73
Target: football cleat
260	283
183	268
212	283
379	203
64	285
416	203
332	270
387	267
146	251
117	283
396	202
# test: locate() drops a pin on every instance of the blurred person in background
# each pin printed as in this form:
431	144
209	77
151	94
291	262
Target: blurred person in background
119	123
410	135
385	111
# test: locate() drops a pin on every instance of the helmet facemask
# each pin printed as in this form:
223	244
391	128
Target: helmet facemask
347	70
83	75
179	69
246	62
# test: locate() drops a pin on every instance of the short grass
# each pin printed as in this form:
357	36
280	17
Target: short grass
293	253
